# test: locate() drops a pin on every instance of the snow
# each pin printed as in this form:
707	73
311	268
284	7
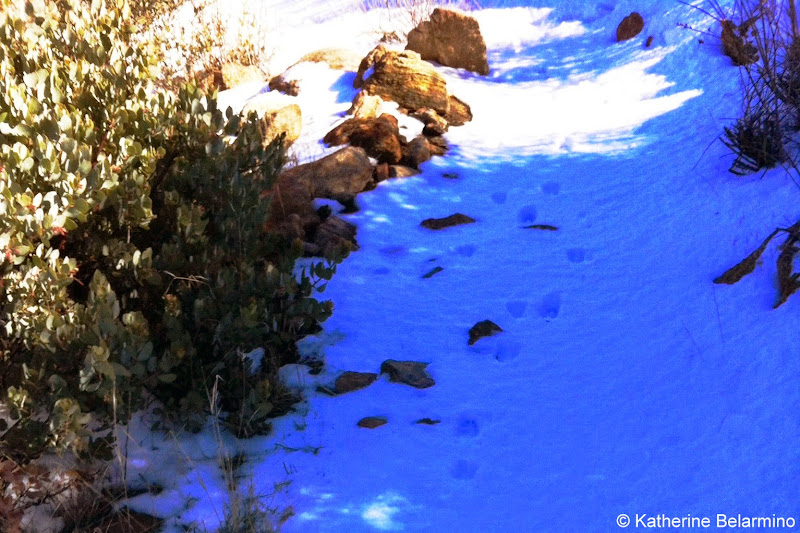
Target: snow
624	380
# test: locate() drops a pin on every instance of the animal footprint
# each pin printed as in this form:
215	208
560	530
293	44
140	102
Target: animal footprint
551	187
576	255
462	469
527	215
550	305
507	350
516	308
467	427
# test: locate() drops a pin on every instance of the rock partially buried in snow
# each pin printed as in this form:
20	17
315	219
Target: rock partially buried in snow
335	238
234	74
372	422
484	328
427	421
434	123
458	112
353	381
410	373
278	115
335	58
366	105
452	39
379	137
417	152
447	222
630	27
281	84
401	171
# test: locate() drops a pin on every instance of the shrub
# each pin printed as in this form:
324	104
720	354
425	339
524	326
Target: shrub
134	261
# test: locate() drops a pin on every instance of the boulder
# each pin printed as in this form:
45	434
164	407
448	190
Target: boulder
404	78
451	38
375	55
630	27
437	145
484	328
416	152
338	176
381	172
335	58
434	123
410	373
379	137
234	74
365	105
447	222
458	112
335	238
353	381
401	171
278	115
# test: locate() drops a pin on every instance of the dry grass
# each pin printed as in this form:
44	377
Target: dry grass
401	16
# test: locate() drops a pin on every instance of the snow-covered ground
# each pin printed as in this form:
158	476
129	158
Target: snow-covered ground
625	382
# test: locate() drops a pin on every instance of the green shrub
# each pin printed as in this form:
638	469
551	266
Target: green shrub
134	260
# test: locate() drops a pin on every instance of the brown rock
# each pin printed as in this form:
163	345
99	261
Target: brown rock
335	58
740	51
277	116
372	422
380	137
339	176
400	171
404	78
416	152
437	145
435	124
353	381
485	328
335	237
365	105
452	39
448	222
427	421
234	74
410	373
458	112
630	27
381	172
282	85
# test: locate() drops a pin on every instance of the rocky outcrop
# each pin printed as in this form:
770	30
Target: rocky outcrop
375	55
366	105
410	373
630	27
379	137
404	78
277	116
452	39
448	222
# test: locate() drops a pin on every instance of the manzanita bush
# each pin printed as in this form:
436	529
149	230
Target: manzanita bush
133	254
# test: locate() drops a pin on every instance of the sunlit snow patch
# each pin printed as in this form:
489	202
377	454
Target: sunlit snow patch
380	513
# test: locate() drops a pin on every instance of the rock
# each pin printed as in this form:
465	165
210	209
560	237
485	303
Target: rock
435	124
485	328
282	85
369	60
335	237
353	381
458	112
447	222
339	176
404	78
630	27
740	51
210	80
278	115
234	74
400	171
381	172
545	227
437	145
648	42
408	372
335	58
379	137
432	273
452	39
427	421
365	105
416	152
372	422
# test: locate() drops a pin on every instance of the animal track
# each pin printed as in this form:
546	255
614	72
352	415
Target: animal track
507	350
527	215
576	255
467	427
550	305
462	469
